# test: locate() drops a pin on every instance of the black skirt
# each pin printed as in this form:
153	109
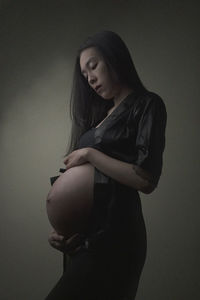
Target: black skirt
109	269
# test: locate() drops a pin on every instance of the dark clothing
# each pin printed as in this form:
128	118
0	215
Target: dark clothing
102	272
135	133
110	262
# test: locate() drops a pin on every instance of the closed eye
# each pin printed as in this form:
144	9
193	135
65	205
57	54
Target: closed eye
93	67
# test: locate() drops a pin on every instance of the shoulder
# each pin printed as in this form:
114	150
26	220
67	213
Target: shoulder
150	99
148	102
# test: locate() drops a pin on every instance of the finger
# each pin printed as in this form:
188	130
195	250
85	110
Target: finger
52	231
65	161
59	237
72	238
77	241
57	243
56	237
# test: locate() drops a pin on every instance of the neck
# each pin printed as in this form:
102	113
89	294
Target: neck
121	95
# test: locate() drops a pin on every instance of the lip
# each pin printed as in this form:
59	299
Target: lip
97	88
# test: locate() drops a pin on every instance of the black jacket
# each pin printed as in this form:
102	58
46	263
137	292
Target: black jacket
135	133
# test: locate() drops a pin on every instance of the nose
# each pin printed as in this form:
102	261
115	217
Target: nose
92	79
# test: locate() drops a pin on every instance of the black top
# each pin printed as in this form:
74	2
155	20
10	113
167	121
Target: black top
87	139
134	132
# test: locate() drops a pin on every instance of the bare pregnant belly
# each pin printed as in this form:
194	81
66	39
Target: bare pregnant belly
69	201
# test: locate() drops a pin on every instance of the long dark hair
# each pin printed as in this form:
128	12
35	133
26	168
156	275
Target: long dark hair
87	108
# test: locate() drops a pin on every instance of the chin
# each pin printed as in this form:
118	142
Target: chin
106	96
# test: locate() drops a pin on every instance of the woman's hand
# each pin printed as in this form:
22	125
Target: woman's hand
69	246
76	158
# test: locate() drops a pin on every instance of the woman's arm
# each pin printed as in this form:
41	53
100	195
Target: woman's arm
123	172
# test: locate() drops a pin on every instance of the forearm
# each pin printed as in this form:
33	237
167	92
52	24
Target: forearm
121	171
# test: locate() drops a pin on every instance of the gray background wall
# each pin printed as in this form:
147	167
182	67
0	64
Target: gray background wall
38	45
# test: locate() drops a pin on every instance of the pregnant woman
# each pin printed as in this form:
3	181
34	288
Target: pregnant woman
116	150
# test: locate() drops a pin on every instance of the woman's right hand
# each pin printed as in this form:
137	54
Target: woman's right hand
69	246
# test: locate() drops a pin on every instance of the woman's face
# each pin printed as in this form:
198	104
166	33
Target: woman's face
95	70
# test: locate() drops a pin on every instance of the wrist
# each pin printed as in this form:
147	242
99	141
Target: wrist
88	153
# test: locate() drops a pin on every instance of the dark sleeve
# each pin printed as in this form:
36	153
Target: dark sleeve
150	138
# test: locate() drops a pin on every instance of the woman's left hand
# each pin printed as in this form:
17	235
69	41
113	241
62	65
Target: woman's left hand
76	158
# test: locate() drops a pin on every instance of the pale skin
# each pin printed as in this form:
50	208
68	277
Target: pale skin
96	72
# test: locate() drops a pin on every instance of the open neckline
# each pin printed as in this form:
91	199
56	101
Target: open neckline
114	110
101	123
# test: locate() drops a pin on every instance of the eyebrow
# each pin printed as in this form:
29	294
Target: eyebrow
89	60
